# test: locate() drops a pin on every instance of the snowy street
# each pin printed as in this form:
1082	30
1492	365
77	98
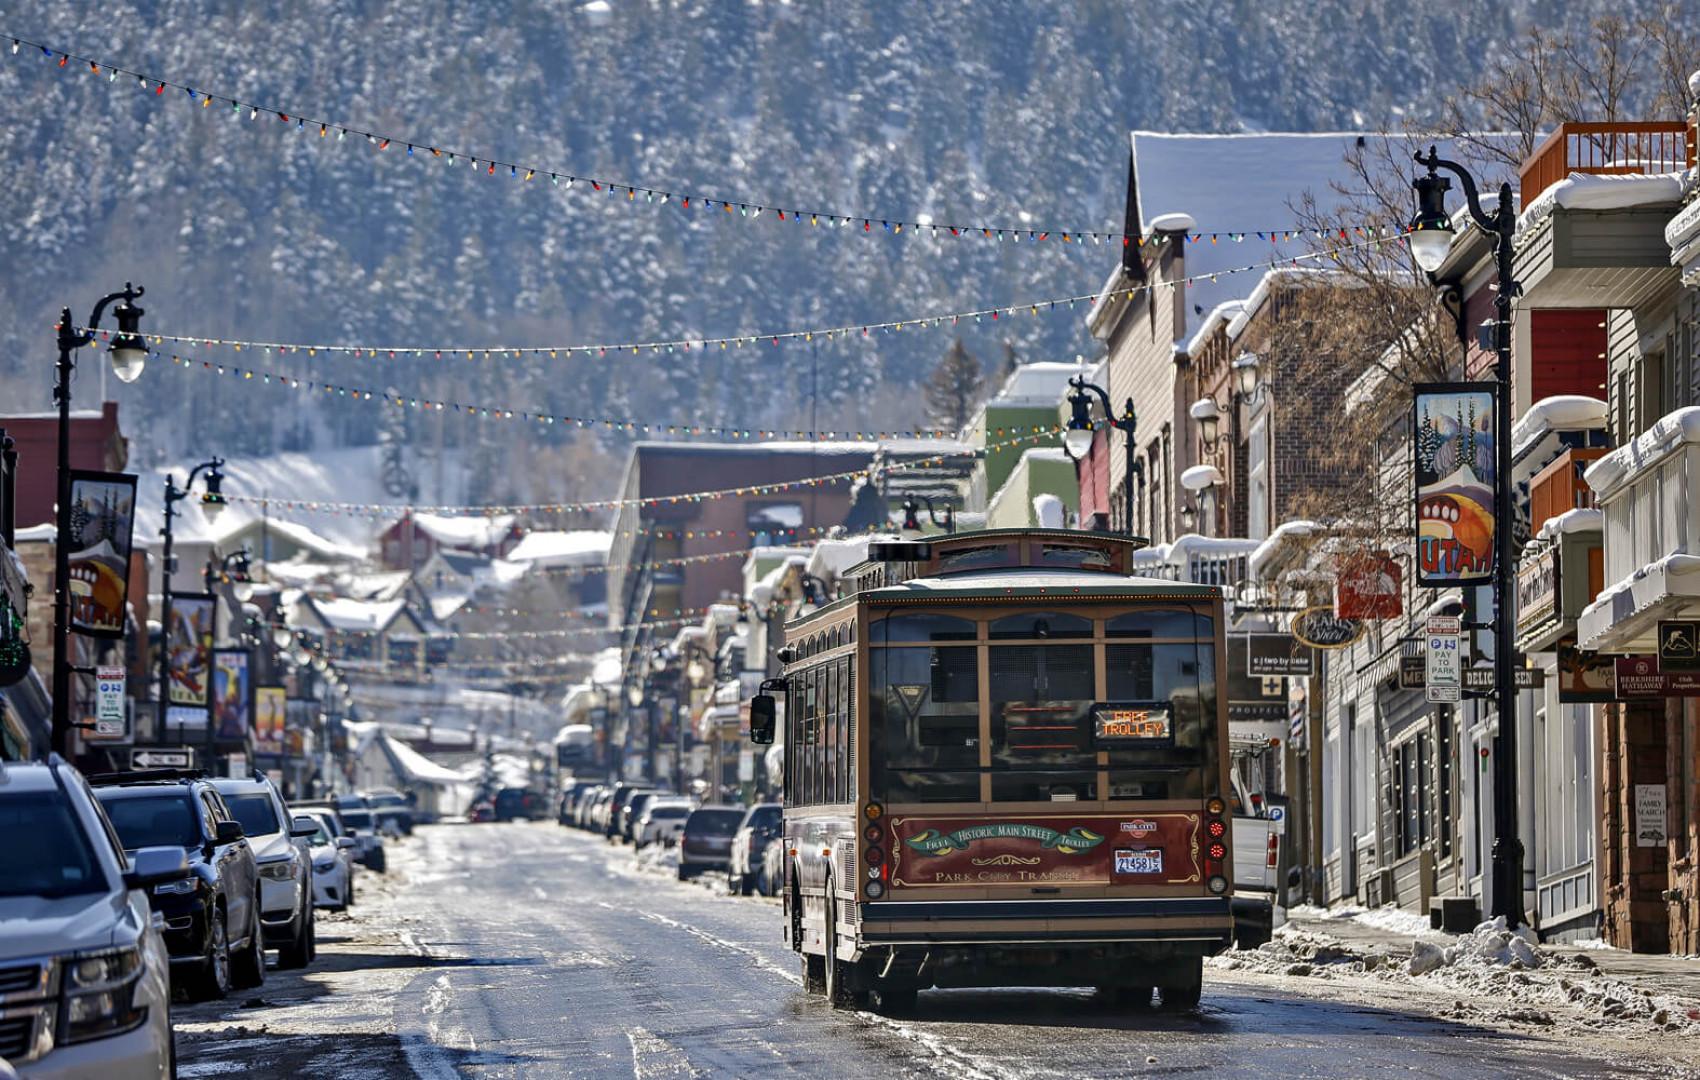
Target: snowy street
532	950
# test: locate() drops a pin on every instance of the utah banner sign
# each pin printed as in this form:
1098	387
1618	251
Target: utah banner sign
1453	434
102	519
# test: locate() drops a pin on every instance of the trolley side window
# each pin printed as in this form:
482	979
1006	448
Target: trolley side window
925	710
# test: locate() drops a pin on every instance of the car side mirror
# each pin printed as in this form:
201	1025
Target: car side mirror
764	713
303	827
346	843
155	866
228	832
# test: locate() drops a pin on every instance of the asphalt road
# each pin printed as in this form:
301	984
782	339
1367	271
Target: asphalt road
532	950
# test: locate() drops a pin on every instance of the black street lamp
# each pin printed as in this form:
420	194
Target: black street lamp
912	514
1077	439
234	569
212	504
129	353
1430	238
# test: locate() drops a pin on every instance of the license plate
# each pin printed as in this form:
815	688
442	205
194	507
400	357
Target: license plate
1143	861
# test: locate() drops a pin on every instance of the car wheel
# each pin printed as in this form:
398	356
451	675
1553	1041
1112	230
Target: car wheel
170	1049
745	885
248	970
212	981
298	951
312	932
348	889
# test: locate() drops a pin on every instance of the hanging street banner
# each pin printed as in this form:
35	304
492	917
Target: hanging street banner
1367	586
102	518
1453	426
189	642
1444	681
232	700
1679	645
1320	628
1278	654
271	705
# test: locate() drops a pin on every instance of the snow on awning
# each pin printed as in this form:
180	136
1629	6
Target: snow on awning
1588	191
1622	465
1200	477
1564	412
1278	545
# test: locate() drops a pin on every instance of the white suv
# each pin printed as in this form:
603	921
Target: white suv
85	982
286	867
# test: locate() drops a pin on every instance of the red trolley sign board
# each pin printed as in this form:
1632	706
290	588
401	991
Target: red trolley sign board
1640	677
1367	586
972	851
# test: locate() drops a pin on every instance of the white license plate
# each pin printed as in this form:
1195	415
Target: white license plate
1139	862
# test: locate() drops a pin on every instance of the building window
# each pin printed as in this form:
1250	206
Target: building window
1257	479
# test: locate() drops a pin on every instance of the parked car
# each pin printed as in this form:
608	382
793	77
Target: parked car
761	824
662	821
594	808
772	877
333	861
393	809
84	967
369	851
634	810
706	842
286	867
518	803
212	916
571	794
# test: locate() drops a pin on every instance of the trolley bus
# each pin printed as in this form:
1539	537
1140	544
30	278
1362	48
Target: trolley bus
1005	765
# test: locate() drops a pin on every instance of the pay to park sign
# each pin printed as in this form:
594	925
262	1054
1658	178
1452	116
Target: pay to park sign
1444	681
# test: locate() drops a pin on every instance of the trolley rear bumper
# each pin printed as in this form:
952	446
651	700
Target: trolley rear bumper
1205	922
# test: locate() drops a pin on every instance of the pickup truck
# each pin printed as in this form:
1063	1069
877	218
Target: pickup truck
1259	858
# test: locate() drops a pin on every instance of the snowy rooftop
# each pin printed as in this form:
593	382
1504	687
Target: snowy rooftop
1042	383
1563	412
343	614
576	547
1587	191
465	532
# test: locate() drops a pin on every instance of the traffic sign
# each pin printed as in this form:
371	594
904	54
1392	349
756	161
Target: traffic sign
1679	645
1444	678
1523	678
1277	816
162	759
109	702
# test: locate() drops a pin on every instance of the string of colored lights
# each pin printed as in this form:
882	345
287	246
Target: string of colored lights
689	614
283	380
521	635
405	509
773	338
728	207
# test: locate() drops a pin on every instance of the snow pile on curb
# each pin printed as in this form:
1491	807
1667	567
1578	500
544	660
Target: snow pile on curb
658	859
1511	977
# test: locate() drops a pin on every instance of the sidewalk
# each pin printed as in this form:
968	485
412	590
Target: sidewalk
1396	931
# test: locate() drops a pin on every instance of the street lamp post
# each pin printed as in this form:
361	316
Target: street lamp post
234	568
1077	439
212	503
1430	238
129	355
912	514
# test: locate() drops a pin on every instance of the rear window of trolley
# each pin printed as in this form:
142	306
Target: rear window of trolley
1078	705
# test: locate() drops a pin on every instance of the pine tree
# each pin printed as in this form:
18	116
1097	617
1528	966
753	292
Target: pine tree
954	389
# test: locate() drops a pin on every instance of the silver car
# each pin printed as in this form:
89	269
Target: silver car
84	971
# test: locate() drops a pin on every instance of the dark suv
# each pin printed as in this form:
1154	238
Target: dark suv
212	917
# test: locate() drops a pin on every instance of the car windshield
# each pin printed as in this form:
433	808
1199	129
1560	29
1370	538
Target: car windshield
163	820
255	812
714	822
357	819
764	817
46	853
320	837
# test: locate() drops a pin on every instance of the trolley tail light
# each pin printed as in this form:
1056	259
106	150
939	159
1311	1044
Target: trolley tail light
1216	849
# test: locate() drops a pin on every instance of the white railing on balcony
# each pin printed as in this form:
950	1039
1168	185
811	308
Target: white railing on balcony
1644	490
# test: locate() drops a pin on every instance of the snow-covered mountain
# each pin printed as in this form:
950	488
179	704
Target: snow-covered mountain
999	111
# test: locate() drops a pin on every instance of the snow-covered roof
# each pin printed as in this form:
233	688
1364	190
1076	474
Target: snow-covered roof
382	585
35	534
833	556
341	613
1580	520
1045	453
1284	533
1622	465
1021	579
1563	412
1194	546
465	532
575	547
413	766
1041	383
1587	191
1220	315
231	532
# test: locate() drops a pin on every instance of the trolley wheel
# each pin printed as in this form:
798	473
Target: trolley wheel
894	1000
838	992
1183	995
814	974
1126	997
